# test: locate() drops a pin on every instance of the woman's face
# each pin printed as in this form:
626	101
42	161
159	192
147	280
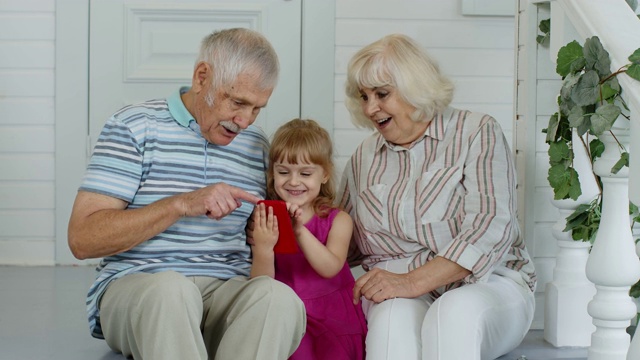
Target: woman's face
391	115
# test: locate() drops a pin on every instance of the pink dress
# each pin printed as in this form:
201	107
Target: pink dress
336	328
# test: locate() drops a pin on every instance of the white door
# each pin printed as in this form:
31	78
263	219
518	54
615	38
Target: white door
146	49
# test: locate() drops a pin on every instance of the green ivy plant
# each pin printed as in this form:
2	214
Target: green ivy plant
590	102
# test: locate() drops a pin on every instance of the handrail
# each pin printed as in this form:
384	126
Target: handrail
618	28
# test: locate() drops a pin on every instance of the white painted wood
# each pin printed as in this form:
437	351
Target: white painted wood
21	82
27	167
317	63
567	322
494	34
31	5
399	10
489	7
546	245
531	195
613	264
27	111
32	54
72	70
32	139
33	26
145	50
41	195
23	224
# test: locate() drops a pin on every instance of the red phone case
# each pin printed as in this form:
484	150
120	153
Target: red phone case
287	240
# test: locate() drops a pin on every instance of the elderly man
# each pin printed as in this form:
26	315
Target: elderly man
165	201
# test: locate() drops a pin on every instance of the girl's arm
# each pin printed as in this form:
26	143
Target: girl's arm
265	236
328	260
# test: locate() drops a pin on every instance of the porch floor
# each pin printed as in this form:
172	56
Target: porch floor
42	317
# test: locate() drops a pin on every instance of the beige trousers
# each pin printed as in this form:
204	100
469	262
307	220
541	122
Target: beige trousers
169	316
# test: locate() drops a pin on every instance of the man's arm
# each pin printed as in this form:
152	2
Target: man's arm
101	225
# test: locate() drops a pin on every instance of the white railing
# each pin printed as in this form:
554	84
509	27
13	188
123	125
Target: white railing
613	265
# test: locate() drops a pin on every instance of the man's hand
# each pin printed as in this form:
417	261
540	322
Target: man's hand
215	201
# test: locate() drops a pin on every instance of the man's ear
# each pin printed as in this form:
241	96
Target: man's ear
201	76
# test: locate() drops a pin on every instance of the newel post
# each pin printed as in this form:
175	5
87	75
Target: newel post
613	265
566	320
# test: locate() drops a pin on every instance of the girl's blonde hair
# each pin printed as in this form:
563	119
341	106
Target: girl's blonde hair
307	141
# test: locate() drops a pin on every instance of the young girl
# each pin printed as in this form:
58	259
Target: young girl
301	173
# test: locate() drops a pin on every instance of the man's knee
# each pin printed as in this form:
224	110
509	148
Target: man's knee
278	294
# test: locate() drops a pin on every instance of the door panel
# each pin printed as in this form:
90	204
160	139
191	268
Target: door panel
141	49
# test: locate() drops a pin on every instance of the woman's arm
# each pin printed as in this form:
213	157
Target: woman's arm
378	285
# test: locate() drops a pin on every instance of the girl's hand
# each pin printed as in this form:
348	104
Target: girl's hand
295	212
265	228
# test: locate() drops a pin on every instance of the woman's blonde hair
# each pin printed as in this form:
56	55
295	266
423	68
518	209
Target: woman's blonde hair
306	141
398	61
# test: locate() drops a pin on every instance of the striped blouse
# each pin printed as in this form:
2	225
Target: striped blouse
153	150
451	194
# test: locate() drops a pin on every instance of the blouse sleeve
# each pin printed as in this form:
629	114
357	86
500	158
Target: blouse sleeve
490	226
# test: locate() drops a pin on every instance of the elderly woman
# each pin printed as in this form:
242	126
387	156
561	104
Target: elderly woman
432	195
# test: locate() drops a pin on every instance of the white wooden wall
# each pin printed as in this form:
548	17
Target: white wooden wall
537	89
27	49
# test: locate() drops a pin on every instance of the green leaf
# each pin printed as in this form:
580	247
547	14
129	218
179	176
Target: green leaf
633	209
552	128
635	57
596	57
559	151
635	290
634	71
610	88
587	90
567	85
585	126
542	39
570	59
545	26
604	118
624	161
576	116
558	176
574	189
596	148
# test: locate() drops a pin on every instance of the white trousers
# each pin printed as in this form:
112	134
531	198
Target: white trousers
474	322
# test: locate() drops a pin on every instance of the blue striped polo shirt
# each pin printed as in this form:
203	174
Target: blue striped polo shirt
153	150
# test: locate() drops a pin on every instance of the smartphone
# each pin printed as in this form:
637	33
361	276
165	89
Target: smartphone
286	240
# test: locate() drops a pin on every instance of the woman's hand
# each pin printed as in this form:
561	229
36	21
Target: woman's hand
378	285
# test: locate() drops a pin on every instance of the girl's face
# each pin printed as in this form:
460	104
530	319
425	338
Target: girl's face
391	115
298	183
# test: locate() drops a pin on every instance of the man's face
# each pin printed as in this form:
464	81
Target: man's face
223	113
